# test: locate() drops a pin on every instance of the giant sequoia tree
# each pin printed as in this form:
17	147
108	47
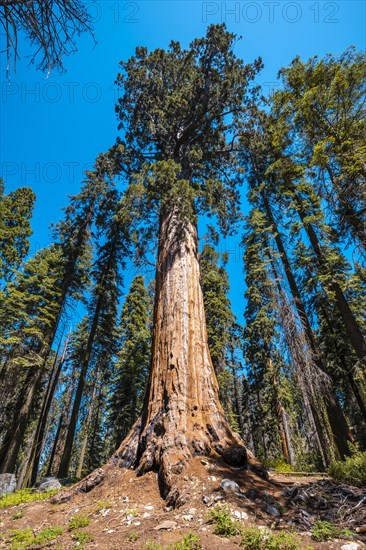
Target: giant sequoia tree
177	112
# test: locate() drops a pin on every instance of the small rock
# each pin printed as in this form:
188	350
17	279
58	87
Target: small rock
351	546
8	484
168	524
227	485
272	510
137	523
218	497
244	515
205	462
192	511
145	515
188	517
237	514
149	507
208	500
212	478
168	508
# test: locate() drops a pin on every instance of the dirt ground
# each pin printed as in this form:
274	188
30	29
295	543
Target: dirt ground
125	507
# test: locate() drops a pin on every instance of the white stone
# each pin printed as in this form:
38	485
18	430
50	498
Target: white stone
351	546
149	507
167	524
145	515
228	485
192	511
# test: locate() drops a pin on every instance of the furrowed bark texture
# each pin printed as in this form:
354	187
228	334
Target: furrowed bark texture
182	415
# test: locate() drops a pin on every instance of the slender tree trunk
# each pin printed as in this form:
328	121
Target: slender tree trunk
182	416
14	438
336	417
280	415
86	428
40	432
352	328
67	452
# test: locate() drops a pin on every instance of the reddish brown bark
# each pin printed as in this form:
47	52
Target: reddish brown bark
182	415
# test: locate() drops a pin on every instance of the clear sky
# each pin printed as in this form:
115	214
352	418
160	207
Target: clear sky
52	128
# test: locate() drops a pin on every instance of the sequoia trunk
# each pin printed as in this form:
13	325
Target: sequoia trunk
182	415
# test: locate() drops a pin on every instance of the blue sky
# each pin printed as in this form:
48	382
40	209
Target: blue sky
52	128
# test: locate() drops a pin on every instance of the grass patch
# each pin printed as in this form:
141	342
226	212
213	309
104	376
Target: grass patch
133	536
256	539
323	531
225	526
81	536
23	496
103	505
132	512
189	542
78	521
17	515
351	471
25	538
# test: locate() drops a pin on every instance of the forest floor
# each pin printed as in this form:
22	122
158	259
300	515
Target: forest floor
126	512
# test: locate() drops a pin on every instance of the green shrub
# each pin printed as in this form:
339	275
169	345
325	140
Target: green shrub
252	539
189	542
77	522
255	539
103	505
81	536
283	467
25	538
23	496
133	536
224	524
323	530
351	471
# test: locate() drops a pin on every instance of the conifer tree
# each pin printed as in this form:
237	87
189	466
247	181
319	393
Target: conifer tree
177	112
322	102
132	364
30	309
102	308
221	327
15	213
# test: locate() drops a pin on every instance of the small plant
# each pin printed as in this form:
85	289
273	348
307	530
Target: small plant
23	496
132	512
283	467
152	545
81	536
255	539
18	515
252	539
77	522
224	524
351	471
189	542
25	538
133	536
103	505
323	531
